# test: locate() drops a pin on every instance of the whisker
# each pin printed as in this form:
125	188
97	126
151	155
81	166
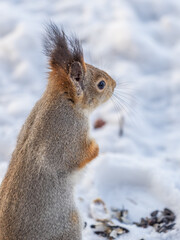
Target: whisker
122	107
124	100
126	95
117	108
119	116
121	88
127	110
122	83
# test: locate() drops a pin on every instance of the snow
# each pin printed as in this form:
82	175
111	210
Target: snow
137	42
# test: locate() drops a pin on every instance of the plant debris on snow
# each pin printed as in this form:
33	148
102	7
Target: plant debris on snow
106	221
109	229
105	225
162	221
99	123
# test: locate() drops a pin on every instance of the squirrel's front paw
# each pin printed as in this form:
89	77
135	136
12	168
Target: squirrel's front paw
91	152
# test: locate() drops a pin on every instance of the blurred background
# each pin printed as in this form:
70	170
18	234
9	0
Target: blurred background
138	44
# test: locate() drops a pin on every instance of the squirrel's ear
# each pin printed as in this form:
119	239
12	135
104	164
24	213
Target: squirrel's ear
76	74
62	50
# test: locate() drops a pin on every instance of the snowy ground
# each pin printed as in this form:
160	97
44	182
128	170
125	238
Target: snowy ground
136	42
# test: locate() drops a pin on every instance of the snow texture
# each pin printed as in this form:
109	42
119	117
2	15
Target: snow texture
137	42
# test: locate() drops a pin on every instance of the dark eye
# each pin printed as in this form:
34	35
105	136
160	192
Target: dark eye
101	84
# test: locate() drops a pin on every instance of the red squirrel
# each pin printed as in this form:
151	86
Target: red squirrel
36	195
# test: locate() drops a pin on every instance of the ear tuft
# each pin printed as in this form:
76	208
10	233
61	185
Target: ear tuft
61	50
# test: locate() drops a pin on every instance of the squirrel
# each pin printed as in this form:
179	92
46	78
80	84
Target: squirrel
37	192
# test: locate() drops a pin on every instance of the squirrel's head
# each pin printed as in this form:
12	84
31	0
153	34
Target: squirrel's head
80	83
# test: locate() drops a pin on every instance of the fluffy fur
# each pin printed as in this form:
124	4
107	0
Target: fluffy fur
36	195
60	49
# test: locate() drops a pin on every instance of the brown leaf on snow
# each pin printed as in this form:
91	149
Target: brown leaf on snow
99	123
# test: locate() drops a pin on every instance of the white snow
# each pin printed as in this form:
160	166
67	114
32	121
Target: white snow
137	42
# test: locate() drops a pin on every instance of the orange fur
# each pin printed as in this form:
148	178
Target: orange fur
83	64
75	217
92	152
59	81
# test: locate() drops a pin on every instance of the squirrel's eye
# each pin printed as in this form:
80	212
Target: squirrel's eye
101	84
